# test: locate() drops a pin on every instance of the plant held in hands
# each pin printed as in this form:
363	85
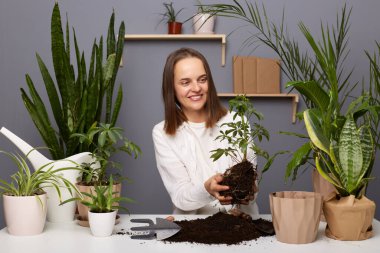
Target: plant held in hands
242	177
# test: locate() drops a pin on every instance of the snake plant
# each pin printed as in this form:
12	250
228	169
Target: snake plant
344	163
76	97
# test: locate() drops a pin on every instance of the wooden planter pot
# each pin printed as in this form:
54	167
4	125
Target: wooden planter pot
296	216
348	218
25	215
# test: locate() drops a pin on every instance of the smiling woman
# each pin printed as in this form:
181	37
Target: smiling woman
194	117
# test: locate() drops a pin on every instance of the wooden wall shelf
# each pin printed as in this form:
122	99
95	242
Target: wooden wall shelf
294	97
218	37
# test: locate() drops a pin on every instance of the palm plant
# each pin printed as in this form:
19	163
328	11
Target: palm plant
27	183
76	97
325	81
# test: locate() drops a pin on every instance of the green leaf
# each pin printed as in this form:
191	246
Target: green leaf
350	153
300	157
314	130
313	91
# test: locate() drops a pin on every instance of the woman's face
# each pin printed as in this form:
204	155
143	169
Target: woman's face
191	87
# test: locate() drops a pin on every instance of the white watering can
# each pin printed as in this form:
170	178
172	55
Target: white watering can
56	213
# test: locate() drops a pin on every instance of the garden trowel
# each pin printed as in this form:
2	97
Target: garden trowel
161	230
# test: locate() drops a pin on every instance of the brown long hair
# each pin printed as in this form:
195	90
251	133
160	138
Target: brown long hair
174	116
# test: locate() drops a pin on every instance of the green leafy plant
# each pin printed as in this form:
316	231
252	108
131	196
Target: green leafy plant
170	14
27	183
344	163
103	199
241	137
76	97
320	77
105	140
241	177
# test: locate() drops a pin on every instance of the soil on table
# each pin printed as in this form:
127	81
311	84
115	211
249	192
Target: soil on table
221	228
241	179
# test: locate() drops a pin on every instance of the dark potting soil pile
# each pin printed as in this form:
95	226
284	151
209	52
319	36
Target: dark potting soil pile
241	179
221	228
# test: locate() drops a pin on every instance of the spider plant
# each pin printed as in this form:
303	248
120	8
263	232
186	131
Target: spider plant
27	183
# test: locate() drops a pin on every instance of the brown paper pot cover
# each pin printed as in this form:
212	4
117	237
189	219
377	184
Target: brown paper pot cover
323	187
82	209
296	215
348	218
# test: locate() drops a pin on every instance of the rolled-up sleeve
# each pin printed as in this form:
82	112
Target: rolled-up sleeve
186	193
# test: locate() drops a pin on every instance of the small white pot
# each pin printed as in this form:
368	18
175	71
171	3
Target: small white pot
101	224
25	215
203	23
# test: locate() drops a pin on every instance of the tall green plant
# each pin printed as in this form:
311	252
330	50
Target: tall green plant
320	77
76	97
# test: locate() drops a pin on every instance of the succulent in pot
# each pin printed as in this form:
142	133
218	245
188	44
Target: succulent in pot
24	198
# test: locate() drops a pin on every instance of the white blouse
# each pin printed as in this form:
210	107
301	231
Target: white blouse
184	163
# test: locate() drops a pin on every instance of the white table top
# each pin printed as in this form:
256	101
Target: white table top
71	238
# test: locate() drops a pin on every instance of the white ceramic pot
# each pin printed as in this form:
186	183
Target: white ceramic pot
203	23
25	215
57	213
101	224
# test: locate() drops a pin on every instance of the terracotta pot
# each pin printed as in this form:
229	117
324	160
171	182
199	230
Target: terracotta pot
296	216
102	224
203	23
174	28
323	187
25	215
82	209
348	218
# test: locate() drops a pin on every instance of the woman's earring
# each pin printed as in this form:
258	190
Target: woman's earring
177	105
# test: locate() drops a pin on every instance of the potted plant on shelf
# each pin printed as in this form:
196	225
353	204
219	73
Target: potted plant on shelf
24	198
106	141
242	177
204	20
170	16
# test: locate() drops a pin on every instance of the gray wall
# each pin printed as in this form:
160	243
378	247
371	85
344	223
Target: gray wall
25	29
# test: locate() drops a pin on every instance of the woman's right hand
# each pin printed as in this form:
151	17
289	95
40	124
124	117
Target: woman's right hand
213	187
